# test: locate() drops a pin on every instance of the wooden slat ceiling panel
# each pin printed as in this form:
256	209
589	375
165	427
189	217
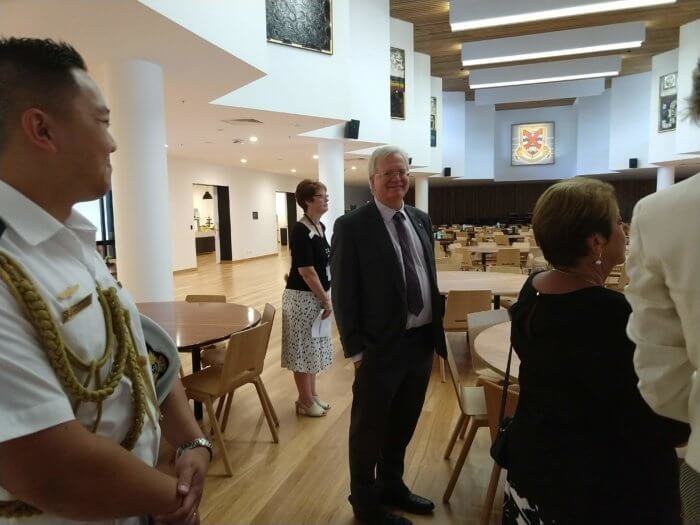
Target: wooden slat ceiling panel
434	37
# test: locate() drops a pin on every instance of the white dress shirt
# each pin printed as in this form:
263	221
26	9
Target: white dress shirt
59	257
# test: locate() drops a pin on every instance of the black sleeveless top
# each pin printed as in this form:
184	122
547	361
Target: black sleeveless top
309	248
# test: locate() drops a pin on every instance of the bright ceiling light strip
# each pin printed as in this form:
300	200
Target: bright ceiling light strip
548	54
556	13
542	80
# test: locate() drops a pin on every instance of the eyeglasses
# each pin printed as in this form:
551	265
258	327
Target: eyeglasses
400	173
322	196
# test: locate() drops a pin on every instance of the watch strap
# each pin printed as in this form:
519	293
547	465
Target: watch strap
195	443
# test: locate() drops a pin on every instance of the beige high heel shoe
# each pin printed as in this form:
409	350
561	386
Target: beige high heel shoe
314	410
320	402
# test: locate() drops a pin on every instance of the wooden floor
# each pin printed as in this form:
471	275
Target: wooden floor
304	478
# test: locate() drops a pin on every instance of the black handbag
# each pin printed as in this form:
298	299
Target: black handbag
499	447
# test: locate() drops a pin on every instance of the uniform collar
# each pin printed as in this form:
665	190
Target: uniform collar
33	224
388	213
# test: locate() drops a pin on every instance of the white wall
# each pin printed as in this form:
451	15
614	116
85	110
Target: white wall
662	146
593	135
403	132
420	120
248	191
479	141
564	118
299	81
629	121
369	69
687	132
436	152
453	131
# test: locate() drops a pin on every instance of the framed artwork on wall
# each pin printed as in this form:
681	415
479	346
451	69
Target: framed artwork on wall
398	83
433	122
306	24
668	102
532	144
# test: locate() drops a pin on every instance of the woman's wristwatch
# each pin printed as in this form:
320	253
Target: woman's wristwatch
195	443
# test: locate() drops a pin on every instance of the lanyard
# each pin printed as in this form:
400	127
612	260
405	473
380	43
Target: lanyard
320	233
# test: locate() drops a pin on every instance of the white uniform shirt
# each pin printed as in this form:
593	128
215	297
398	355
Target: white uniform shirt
57	257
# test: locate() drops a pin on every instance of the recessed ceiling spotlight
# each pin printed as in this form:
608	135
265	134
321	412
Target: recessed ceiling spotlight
244	161
315	157
294	170
166	146
353	168
253	138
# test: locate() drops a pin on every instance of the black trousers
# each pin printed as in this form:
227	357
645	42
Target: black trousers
387	401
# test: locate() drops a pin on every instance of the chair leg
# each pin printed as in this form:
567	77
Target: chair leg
269	402
461	422
473	427
182	372
219	407
490	494
219	436
443	378
266	411
227	411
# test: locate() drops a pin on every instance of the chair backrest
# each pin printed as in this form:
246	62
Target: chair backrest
508	257
268	316
201	298
501	240
460	303
493	393
480	321
244	353
487	243
505	269
520	245
447	264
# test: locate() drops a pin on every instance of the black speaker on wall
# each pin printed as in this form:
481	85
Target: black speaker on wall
410	160
352	129
634	163
447	172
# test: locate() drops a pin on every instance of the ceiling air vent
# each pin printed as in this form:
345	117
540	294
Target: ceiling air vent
241	121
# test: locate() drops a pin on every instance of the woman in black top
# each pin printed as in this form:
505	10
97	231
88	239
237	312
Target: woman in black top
305	300
583	447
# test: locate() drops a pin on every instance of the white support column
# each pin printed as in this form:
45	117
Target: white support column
665	177
421	188
140	181
331	172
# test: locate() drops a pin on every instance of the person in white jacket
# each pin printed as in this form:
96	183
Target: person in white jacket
664	292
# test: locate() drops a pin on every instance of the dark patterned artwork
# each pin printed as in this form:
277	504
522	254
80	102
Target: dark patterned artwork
433	122
668	102
300	23
398	83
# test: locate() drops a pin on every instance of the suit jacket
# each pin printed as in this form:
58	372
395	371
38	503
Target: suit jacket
368	290
664	292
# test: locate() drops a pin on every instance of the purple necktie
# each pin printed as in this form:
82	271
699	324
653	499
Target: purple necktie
414	298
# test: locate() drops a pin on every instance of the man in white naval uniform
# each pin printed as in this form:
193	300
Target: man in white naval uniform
64	410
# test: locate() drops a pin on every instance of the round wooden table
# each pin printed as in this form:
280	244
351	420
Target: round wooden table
498	283
492	346
195	325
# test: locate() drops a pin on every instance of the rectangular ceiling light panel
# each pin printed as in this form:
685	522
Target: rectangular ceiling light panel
555	44
549	91
475	14
562	70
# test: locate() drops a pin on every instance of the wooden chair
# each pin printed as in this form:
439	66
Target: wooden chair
472	406
464	256
508	257
216	357
245	356
501	240
492	393
478	322
447	264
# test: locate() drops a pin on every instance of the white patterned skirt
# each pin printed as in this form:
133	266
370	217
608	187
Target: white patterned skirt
300	351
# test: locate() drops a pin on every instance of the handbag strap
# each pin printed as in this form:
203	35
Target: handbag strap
504	395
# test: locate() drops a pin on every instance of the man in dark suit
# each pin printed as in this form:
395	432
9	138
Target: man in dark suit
389	315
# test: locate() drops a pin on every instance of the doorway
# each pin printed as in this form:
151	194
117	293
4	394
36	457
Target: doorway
206	221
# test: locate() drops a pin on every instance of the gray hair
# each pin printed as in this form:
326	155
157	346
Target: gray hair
694	99
382	153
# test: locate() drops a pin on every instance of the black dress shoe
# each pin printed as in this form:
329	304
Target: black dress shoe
409	502
382	517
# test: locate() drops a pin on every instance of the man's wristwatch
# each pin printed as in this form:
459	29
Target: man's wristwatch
196	443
